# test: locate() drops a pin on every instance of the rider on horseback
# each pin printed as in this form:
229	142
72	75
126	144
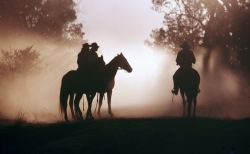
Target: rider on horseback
185	59
93	57
88	60
82	57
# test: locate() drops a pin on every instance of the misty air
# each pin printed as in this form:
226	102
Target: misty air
93	75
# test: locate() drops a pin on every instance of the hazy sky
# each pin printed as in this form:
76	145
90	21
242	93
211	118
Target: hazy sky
122	26
118	22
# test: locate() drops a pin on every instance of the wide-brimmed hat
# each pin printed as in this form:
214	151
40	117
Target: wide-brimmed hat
185	45
94	45
85	45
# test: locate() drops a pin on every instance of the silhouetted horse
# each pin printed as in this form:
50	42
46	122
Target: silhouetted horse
189	88
107	78
109	75
102	83
71	84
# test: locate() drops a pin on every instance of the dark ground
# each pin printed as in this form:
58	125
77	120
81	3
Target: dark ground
127	136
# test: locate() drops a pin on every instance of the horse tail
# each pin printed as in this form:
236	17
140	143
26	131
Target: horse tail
63	97
65	90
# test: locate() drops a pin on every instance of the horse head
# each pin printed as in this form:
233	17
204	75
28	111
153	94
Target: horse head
123	63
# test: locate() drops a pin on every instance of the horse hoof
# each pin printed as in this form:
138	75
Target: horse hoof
90	118
111	115
81	118
66	119
99	114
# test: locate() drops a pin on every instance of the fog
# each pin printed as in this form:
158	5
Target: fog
35	96
146	92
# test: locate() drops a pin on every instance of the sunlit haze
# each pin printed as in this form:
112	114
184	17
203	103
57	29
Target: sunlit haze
123	26
118	26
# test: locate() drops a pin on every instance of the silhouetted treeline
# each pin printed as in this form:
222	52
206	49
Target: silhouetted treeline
222	24
48	18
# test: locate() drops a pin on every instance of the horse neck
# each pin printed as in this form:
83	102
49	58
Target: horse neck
111	68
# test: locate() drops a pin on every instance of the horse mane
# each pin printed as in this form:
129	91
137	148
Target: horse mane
112	62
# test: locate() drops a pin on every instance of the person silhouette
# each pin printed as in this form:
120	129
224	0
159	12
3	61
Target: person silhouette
82	57
88	61
100	65
185	59
93	57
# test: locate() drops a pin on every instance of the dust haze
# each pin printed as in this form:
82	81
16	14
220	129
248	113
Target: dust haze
143	93
34	96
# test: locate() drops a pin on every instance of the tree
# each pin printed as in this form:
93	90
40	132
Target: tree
18	61
213	23
49	18
182	21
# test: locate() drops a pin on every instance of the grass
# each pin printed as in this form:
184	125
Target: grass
162	135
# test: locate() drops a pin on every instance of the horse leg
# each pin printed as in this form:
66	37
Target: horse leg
194	109
189	101
71	100
64	109
100	103
109	103
90	98
63	105
65	113
89	108
76	104
184	103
